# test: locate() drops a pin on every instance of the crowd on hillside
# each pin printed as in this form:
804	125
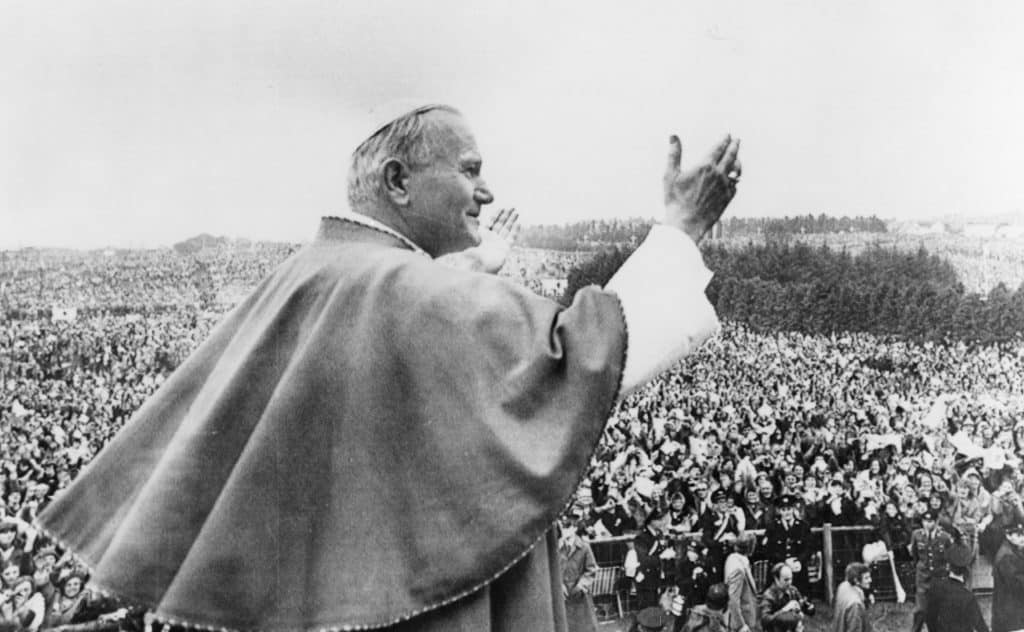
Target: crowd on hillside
859	429
34	282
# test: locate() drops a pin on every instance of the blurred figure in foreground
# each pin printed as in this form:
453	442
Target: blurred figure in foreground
850	610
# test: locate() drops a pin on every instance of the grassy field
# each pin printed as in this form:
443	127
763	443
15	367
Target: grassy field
885	617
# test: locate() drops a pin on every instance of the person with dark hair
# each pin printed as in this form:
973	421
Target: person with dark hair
1008	581
742	615
652	619
755	514
709	616
71	600
837	506
23	606
782	606
1007	509
14	549
849	612
682	515
952	607
894	530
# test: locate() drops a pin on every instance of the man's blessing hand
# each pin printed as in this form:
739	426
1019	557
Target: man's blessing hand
497	235
696	198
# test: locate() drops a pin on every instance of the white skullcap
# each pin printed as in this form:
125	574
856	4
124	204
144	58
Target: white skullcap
380	116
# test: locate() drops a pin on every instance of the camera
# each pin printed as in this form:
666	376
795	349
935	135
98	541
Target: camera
807	607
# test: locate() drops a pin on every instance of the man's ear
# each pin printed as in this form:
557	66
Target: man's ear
395	178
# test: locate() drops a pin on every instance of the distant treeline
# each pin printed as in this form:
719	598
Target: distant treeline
796	287
589	235
601	234
746	226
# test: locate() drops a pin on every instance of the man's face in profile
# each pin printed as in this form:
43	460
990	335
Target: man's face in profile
446	196
865	580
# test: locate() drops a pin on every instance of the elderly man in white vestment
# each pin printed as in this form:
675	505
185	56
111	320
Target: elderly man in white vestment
376	440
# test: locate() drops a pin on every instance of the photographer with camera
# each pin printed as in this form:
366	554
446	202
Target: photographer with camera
783	608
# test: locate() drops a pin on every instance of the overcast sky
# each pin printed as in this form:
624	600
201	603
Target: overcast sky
141	123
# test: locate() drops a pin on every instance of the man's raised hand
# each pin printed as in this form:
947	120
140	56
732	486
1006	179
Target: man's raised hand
696	198
496	240
497	234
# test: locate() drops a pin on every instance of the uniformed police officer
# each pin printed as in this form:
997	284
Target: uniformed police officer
928	546
651	551
719	528
788	539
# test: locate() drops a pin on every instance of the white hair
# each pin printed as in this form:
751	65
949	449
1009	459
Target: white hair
410	138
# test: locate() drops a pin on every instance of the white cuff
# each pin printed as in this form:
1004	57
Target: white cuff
661	288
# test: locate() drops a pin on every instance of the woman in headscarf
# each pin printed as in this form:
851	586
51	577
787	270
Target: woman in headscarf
70	601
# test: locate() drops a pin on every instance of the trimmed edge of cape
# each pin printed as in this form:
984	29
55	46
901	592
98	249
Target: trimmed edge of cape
194	625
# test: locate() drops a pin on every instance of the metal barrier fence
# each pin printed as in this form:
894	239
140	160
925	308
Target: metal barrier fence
838	546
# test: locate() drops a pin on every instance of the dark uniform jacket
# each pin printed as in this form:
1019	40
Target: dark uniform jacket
782	543
713	528
1008	589
929	553
693	580
648	554
953	608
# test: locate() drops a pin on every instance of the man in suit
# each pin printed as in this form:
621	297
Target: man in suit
788	540
952	607
742	612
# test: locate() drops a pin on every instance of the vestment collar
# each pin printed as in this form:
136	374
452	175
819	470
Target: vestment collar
328	224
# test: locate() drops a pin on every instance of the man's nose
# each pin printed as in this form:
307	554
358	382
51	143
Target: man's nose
483	195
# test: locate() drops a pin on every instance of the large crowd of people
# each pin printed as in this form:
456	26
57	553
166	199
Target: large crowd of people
754	429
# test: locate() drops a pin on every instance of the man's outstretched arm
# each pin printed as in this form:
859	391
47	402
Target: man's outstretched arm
661	286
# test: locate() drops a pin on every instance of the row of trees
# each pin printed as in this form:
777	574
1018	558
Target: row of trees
797	287
589	235
800	224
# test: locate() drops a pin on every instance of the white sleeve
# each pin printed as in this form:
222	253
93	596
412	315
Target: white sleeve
661	288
